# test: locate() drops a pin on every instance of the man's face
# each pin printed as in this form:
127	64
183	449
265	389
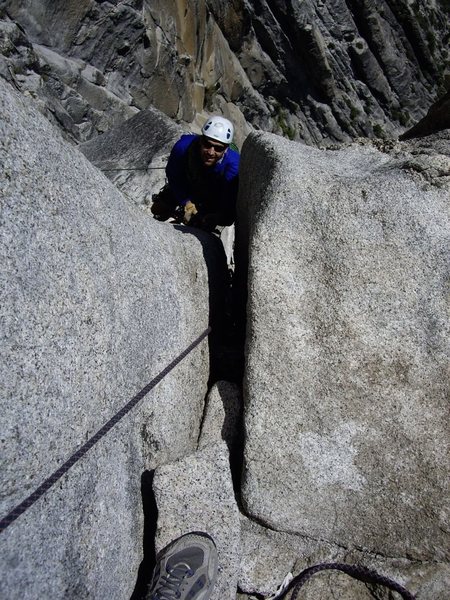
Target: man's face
211	151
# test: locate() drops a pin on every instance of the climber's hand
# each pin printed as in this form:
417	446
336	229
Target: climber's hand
190	210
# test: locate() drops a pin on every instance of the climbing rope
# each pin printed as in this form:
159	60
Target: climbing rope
135	169
54	477
356	571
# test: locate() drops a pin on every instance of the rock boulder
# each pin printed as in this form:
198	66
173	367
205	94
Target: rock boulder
134	154
196	494
97	298
346	386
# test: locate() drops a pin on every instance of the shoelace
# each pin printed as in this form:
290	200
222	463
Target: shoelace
172	583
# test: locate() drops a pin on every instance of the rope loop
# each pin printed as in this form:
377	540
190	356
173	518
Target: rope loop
360	572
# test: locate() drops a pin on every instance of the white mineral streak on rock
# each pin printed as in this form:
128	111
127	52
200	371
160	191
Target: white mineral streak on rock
330	459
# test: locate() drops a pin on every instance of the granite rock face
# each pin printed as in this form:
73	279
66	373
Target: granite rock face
346	386
134	154
426	159
70	92
334	70
269	557
93	64
196	494
437	119
312	70
346	449
97	298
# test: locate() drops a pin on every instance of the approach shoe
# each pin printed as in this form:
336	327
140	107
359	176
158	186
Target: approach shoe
186	569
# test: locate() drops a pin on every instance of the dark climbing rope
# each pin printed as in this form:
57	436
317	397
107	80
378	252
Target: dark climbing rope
356	571
135	169
54	477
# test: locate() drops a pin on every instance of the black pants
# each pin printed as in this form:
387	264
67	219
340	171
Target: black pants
164	204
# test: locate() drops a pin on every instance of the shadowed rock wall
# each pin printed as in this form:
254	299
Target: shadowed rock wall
134	154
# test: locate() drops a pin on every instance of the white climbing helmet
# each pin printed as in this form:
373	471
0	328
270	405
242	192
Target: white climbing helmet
220	129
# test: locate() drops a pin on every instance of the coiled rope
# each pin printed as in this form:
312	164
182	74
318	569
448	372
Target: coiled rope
356	571
54	477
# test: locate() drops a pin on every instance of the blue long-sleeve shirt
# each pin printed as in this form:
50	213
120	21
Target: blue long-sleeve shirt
211	189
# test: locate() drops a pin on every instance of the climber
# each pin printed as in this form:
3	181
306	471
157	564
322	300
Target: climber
202	175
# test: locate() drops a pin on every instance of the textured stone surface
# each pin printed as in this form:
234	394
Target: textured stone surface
436	119
134	154
268	557
133	144
426	159
68	91
311	70
196	494
346	390
96	299
427	581
222	417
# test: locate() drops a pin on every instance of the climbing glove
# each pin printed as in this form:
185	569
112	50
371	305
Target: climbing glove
190	210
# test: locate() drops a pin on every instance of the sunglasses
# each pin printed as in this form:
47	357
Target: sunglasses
208	145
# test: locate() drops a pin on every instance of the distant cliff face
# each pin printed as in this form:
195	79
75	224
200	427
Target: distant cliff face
312	70
338	68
